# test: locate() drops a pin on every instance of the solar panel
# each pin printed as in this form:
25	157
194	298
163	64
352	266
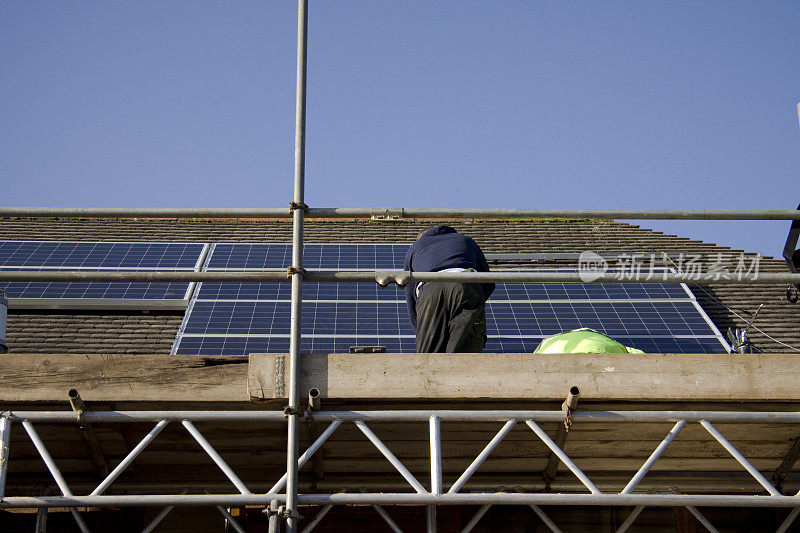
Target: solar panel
210	345
588	291
311	291
502	319
278	256
99	256
241	318
503	291
321	318
219	345
612	318
94	290
646	344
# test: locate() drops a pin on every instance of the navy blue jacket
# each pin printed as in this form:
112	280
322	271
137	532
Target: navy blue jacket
440	248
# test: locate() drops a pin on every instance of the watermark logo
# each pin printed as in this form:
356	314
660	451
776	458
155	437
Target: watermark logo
591	266
692	267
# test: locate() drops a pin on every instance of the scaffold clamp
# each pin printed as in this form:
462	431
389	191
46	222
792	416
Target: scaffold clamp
290	271
298	205
289	411
289	513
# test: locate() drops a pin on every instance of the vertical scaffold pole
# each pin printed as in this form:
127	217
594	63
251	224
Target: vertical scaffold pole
436	469
292	448
5	439
274	518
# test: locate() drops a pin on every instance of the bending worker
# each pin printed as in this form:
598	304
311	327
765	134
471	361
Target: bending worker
447	316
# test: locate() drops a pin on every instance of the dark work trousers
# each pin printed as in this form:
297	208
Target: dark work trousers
451	318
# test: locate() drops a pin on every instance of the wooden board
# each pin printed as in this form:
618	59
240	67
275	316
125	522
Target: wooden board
99	377
661	377
194	379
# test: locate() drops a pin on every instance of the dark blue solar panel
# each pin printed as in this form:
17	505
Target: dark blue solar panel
113	255
311	291
612	318
61	290
582	291
503	291
95	256
272	318
315	256
649	345
237	256
210	345
391	318
248	345
674	344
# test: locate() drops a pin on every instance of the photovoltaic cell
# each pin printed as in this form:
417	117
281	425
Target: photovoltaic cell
612	318
247	345
581	291
94	290
503	291
646	344
211	345
502	319
315	256
98	256
103	255
675	344
320	318
311	291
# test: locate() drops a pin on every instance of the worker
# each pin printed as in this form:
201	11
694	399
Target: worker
583	340
447	316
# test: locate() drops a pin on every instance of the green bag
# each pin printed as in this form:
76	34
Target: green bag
582	340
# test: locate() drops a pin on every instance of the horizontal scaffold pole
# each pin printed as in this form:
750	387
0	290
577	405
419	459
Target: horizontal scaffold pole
402	278
399	212
235	500
777	417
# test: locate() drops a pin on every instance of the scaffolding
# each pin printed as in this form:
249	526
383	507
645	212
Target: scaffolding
437	494
283	499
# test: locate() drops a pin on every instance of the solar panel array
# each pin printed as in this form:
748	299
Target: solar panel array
99	256
241	318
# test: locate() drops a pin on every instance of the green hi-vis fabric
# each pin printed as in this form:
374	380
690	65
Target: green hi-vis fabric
582	340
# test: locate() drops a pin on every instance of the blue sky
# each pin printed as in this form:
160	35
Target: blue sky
416	104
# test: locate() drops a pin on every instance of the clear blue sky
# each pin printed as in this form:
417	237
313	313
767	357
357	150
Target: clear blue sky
493	104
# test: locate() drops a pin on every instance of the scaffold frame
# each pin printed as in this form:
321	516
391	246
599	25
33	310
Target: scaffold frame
439	492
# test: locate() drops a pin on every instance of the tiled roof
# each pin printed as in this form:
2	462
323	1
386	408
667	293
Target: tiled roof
99	332
137	332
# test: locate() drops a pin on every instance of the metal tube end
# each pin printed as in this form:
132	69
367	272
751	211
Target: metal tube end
75	400
572	398
314	399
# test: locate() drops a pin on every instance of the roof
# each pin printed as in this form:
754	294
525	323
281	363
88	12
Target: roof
125	332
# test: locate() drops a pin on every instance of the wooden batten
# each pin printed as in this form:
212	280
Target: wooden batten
123	378
648	377
194	379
